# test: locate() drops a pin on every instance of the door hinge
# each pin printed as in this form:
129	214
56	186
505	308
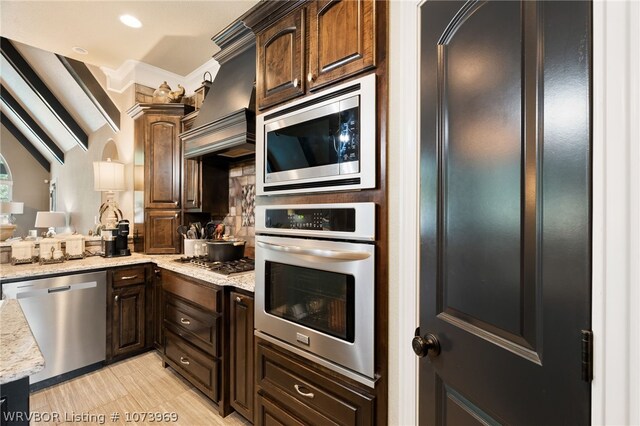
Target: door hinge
587	355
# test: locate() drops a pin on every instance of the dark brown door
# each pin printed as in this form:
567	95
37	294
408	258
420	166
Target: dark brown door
280	60
341	39
505	212
128	319
160	229
241	335
164	157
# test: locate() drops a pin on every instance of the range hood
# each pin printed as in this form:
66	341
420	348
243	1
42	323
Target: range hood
225	124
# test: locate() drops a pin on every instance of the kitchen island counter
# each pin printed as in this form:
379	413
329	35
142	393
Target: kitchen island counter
20	355
245	280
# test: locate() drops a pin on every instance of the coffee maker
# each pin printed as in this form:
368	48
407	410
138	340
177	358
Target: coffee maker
115	241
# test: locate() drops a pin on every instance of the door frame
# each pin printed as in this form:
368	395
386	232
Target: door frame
616	202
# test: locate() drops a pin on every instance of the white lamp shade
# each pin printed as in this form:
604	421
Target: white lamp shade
108	176
11	207
50	219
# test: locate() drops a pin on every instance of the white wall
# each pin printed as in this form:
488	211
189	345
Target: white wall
616	215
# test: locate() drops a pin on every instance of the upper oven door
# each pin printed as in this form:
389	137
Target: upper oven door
322	142
318	296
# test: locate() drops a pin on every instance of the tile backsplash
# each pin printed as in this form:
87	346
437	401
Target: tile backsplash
240	221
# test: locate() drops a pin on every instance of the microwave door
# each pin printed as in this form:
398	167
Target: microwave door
317	143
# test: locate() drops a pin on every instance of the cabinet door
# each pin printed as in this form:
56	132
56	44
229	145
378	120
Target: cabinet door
241	318
341	40
280	67
128	319
161	236
192	182
163	162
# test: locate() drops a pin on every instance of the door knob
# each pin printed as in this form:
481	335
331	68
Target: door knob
427	345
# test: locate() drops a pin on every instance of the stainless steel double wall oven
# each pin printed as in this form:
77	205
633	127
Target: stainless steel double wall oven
315	283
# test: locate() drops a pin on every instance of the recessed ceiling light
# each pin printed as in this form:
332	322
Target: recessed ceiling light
130	21
80	50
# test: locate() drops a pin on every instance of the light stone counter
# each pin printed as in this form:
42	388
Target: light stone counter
245	281
20	355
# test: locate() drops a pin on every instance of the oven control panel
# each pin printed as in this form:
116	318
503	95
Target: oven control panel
342	220
347	221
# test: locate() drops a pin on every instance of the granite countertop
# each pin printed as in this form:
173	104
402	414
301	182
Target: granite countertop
245	280
20	355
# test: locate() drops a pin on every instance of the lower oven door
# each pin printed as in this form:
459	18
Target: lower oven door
318	297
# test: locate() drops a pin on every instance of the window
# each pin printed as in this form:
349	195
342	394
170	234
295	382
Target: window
6	183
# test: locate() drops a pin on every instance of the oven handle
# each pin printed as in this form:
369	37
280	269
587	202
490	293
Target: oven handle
330	254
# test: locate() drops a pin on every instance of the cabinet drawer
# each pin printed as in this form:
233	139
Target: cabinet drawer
207	297
269	413
315	397
129	276
196	366
198	326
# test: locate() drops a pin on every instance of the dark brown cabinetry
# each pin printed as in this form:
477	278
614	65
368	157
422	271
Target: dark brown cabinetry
158	174
160	230
341	40
312	47
241	353
280	66
128	310
193	329
192	185
157	309
291	391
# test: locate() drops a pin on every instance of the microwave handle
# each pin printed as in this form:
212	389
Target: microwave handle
330	254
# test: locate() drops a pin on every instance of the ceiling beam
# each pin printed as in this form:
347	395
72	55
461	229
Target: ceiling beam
12	104
25	142
30	77
87	82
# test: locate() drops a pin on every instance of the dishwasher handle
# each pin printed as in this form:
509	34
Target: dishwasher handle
57	289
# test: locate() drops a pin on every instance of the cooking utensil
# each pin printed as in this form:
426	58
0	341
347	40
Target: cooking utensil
221	250
182	230
209	230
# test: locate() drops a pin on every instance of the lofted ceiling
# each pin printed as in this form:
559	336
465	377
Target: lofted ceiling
175	35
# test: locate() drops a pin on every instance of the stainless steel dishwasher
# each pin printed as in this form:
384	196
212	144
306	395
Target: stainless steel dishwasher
67	315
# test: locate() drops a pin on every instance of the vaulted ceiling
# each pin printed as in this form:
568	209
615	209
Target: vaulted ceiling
175	36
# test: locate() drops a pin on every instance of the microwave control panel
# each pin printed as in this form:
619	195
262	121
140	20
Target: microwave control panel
316	219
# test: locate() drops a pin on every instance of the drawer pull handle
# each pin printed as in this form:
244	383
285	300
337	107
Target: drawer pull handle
238	299
303	393
184	360
129	277
185	321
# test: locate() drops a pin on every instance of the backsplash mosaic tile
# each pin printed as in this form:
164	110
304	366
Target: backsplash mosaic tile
240	221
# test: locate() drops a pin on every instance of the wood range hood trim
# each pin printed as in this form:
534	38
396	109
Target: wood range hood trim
225	124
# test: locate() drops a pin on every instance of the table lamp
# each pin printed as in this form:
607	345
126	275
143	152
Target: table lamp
7	209
108	176
51	220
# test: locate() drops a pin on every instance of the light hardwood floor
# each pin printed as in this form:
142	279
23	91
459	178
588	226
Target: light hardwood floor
136	385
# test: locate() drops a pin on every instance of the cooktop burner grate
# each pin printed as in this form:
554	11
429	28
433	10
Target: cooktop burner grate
226	268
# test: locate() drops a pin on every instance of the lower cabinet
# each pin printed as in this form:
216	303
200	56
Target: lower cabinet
14	403
193	328
241	353
127	307
291	391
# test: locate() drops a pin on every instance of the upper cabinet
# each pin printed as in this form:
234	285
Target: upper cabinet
164	160
341	40
311	47
280	69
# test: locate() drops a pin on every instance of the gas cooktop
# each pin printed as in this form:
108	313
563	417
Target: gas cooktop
228	267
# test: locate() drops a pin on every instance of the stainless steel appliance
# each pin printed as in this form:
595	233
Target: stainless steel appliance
324	142
228	267
67	316
316	297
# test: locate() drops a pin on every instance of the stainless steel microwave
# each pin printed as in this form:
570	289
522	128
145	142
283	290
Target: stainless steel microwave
325	142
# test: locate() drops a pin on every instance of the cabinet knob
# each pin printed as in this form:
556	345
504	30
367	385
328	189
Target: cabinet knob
296	83
311	77
238	299
115	299
175	203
